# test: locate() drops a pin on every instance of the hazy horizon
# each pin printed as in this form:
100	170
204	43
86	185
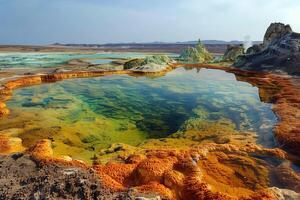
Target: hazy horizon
116	21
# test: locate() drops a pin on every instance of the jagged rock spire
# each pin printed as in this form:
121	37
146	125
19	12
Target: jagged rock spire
276	30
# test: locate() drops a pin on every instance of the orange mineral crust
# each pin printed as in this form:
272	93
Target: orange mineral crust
10	144
211	171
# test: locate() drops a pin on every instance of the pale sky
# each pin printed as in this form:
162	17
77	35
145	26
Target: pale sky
104	21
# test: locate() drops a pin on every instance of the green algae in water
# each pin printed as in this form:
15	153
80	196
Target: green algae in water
84	116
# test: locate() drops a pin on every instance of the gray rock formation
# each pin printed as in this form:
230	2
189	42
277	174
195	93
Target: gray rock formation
280	51
276	30
232	52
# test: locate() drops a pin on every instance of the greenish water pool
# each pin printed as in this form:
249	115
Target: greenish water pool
35	60
83	116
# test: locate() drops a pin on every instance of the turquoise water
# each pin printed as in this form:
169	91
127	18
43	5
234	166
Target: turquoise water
99	61
34	60
120	108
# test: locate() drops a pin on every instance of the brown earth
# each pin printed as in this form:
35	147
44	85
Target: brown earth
154	48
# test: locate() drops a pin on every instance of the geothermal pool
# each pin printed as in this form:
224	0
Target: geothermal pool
83	117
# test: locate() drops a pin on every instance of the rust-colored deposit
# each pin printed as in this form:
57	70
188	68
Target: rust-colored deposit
211	171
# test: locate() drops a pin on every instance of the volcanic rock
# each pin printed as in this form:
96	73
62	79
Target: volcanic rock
276	30
280	51
22	177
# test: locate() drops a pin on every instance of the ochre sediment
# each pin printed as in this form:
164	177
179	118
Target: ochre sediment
210	171
206	171
10	144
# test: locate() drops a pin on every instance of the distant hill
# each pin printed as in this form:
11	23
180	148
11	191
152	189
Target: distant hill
209	42
213	42
214	46
233	42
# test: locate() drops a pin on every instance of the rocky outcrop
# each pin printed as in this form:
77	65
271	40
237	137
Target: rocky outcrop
197	54
276	30
280	51
158	59
232	52
150	64
133	63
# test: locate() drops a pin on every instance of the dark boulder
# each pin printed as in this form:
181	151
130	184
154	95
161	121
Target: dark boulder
280	51
276	31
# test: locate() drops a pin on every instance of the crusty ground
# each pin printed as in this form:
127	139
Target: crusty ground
21	177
